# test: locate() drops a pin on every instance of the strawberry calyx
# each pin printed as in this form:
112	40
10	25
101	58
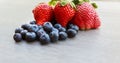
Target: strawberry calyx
73	5
76	2
94	5
86	0
53	2
63	2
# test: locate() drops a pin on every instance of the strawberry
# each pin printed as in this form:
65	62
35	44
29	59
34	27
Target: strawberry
86	16
64	12
42	13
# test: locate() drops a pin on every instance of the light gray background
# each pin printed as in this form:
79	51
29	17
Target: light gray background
94	46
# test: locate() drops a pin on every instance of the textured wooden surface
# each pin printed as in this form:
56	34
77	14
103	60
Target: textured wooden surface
94	46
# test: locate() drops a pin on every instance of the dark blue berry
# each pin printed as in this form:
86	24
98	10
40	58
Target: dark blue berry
57	26
26	26
72	26
40	32
33	28
18	30
23	33
56	30
62	36
33	22
30	36
71	33
54	36
76	28
39	26
47	27
44	39
62	29
17	37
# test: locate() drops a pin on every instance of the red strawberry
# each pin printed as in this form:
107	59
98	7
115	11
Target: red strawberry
64	12
42	13
86	17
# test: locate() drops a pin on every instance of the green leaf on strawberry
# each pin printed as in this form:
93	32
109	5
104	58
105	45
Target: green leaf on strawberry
73	5
94	5
53	2
86	0
63	2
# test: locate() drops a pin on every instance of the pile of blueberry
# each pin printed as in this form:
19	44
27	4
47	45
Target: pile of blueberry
45	34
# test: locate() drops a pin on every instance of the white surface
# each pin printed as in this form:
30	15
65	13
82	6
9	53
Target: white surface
94	46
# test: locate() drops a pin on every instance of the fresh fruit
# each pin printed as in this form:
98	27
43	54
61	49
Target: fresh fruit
30	36
33	22
62	36
56	30
39	26
26	26
42	13
17	37
33	28
47	26
72	26
40	32
58	21
62	29
23	33
86	16
44	39
54	36
64	12
18	30
57	26
71	33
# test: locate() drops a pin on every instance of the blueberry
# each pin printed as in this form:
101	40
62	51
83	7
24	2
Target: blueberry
62	36
33	22
44	39
30	36
72	26
26	26
39	26
57	26
71	33
56	30
76	28
62	29
18	30
54	36
33	28
47	27
23	33
17	37
40	32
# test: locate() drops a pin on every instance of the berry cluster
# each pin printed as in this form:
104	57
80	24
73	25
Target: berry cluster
46	33
79	12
